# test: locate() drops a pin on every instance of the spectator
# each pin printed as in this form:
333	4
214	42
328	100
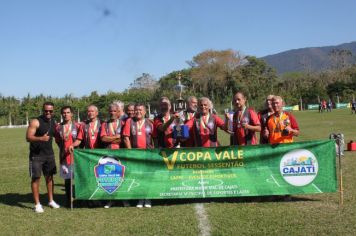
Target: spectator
40	134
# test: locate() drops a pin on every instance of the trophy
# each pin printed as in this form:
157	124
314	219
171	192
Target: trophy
180	130
229	120
285	131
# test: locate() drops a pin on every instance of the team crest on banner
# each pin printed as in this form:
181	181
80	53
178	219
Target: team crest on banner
109	174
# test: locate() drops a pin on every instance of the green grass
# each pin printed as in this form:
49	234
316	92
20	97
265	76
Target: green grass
306	214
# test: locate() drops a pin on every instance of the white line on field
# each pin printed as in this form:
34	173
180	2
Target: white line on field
131	185
94	193
275	181
202	183
204	226
317	188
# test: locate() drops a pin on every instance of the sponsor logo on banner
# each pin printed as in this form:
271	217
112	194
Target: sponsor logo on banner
299	167
109	174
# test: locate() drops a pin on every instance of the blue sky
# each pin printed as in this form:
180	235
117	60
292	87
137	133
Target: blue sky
59	47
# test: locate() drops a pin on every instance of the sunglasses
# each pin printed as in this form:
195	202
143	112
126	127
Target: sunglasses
48	111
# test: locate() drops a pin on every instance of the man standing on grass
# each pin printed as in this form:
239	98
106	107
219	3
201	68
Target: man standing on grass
138	134
40	134
281	127
66	135
111	131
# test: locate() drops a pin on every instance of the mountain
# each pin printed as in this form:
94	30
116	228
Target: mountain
308	59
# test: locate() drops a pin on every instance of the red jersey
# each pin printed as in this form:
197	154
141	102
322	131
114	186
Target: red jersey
140	133
111	128
89	134
243	136
206	135
65	136
165	138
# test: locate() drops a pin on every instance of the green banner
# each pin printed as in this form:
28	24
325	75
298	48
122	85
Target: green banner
343	105
313	106
296	168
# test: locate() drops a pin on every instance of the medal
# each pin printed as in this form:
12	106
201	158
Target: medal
93	129
277	123
239	118
115	129
206	121
139	126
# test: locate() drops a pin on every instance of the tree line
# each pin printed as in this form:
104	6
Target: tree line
211	73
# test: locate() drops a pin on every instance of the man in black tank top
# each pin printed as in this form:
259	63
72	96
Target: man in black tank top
39	134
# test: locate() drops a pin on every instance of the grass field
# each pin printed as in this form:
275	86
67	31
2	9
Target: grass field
318	214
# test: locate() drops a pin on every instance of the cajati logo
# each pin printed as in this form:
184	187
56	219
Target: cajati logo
299	167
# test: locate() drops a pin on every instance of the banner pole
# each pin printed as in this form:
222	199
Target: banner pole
71	181
341	189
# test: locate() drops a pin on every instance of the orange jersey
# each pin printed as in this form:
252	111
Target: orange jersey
276	127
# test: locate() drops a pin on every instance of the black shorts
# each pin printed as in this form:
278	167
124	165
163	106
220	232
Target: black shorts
45	164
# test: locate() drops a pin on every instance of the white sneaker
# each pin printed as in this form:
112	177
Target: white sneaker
38	208
53	205
126	203
148	203
140	203
108	205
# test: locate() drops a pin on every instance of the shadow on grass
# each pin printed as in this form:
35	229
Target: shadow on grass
173	202
22	200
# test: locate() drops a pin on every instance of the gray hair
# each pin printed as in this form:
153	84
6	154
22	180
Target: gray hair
95	107
190	98
114	104
210	104
120	105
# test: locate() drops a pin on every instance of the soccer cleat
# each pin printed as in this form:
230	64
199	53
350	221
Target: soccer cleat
38	208
53	205
148	203
140	203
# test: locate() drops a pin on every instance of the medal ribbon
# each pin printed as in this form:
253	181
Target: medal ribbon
164	120
189	115
112	128
239	117
93	129
140	123
206	120
68	130
278	124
